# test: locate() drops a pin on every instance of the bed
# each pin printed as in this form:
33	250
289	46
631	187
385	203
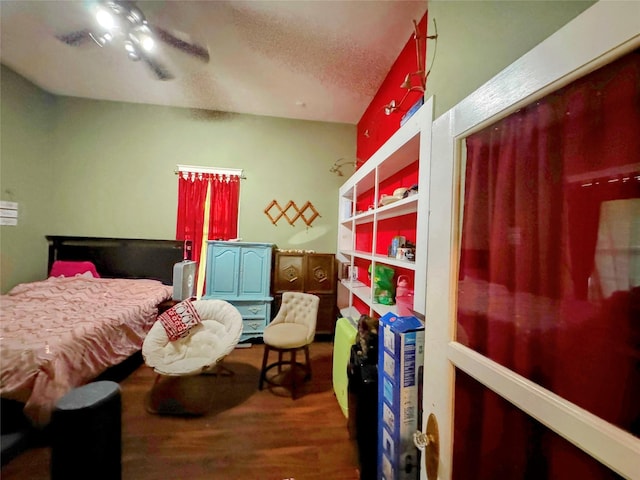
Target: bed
64	331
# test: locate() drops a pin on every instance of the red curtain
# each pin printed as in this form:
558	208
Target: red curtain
535	184
223	213
223	216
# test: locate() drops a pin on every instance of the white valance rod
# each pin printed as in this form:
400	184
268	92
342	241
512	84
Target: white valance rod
213	170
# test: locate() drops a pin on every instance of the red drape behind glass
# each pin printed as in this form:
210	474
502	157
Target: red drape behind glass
534	185
223	215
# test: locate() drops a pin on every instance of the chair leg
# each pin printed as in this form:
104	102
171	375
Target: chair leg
263	372
293	374
292	362
147	399
219	370
306	357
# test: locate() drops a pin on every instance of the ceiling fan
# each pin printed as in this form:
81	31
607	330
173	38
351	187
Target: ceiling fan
121	22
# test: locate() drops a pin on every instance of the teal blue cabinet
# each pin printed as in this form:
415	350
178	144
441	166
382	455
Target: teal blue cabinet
240	273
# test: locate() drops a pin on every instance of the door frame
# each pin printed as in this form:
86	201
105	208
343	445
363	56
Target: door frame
605	31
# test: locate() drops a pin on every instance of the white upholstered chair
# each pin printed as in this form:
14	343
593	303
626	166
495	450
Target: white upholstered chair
293	329
202	351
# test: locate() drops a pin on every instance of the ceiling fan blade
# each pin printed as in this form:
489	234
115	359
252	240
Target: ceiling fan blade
76	38
158	69
198	51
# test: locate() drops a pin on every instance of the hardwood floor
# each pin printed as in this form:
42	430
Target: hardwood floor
246	434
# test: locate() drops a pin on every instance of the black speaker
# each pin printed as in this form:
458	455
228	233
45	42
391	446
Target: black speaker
86	429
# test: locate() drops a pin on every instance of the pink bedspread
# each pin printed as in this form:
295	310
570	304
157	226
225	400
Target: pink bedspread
62	332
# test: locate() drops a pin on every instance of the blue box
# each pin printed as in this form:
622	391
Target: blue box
414	108
400	366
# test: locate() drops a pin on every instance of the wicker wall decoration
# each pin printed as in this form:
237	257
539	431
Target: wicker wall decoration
291	212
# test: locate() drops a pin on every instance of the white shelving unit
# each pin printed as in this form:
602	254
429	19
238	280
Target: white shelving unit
411	142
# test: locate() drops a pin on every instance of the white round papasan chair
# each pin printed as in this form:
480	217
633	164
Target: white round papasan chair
200	352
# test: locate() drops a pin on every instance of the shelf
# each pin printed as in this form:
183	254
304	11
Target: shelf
395	262
404	158
401	158
364	217
347	222
399	151
406	264
351	284
381	309
403	206
363	293
357	254
350	312
396	209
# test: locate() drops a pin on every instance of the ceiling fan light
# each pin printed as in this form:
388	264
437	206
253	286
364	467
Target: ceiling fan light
147	43
101	40
128	46
135	16
105	19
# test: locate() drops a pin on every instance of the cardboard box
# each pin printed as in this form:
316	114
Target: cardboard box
400	366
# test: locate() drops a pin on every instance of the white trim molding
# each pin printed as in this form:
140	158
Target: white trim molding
213	170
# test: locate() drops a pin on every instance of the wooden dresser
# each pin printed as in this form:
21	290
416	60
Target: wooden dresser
309	273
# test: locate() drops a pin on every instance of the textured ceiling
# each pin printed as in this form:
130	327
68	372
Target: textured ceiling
313	60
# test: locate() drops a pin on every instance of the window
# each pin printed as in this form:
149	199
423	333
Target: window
208	200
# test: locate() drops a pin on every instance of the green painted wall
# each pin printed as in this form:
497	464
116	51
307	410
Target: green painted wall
478	39
97	168
117	162
27	121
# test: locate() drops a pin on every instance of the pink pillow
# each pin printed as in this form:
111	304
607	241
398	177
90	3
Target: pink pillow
179	319
64	268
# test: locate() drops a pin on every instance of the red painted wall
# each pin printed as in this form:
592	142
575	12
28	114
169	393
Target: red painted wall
375	128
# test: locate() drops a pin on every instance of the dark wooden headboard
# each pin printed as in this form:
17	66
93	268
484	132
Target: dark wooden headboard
120	257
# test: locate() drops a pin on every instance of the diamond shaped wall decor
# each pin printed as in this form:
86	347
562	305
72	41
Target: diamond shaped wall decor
291	212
